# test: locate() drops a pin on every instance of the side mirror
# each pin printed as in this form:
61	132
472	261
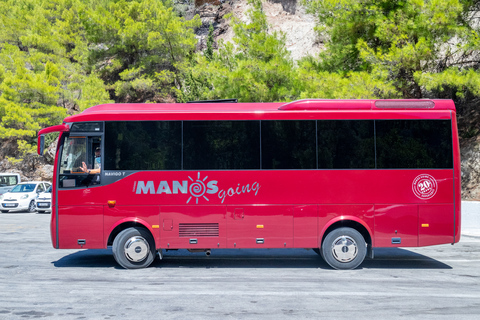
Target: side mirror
41	144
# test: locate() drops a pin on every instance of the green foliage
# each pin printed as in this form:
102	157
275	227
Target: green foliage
61	56
25	148
460	81
256	68
132	40
13	160
314	83
400	38
209	51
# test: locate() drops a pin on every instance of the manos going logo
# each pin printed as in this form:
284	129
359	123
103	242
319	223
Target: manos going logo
198	189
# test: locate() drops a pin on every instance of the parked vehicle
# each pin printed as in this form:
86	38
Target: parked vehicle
8	181
44	201
22	196
342	177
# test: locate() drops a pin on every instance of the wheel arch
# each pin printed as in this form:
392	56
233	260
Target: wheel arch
350	222
125	224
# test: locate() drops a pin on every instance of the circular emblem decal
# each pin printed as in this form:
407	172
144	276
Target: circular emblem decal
424	186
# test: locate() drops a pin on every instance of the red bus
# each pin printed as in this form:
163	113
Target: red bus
341	177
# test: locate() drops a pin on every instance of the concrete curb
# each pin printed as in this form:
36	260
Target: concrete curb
471	218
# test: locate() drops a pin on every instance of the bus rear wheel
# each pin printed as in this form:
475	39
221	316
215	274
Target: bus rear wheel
344	248
134	248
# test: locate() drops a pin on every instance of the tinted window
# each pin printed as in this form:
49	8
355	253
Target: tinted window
143	145
288	145
413	144
87	127
346	144
221	145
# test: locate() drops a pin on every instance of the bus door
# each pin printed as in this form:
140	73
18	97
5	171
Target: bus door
79	200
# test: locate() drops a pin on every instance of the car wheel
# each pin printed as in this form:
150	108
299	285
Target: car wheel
31	206
40	211
4	211
134	248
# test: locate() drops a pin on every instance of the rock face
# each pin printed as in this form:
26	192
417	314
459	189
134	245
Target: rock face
211	13
286	16
31	168
470	155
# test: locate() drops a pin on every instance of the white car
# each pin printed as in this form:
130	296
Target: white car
22	196
44	201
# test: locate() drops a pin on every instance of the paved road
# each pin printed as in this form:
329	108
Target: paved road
36	281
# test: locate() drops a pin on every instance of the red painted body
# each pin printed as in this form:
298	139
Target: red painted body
264	208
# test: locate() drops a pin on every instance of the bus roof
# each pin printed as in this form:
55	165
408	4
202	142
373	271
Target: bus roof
142	111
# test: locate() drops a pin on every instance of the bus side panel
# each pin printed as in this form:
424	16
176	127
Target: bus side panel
435	224
144	215
329	214
396	225
193	227
80	223
305	226
260	226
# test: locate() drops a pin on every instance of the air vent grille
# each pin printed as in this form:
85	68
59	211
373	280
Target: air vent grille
198	230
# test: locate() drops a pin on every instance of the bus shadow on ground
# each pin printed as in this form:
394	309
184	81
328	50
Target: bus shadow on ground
385	258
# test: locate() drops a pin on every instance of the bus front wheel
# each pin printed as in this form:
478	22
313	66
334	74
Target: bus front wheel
134	248
344	248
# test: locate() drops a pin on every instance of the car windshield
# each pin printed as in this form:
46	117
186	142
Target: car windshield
24	188
49	189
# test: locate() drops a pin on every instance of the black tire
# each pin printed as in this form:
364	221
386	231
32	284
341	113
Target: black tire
134	248
31	207
4	211
344	249
40	211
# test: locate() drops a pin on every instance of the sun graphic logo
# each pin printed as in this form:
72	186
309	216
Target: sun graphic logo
424	186
199	188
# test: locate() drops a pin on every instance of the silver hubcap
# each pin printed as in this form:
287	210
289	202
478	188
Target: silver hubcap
344	249
136	249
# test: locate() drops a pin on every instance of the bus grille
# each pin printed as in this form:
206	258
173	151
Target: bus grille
198	229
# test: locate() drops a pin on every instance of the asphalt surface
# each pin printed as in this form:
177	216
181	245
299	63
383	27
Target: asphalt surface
37	281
